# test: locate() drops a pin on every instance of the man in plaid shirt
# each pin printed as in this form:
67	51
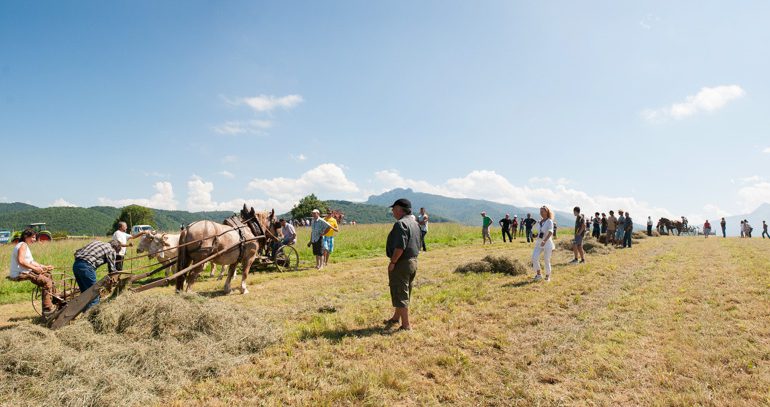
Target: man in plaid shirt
90	258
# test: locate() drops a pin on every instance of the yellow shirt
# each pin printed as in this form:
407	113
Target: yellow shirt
333	222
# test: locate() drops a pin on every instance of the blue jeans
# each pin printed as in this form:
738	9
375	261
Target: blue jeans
85	275
627	239
530	238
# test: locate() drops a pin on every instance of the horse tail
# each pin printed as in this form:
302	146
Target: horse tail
182	258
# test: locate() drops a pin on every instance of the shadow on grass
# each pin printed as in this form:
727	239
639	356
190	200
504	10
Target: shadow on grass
519	284
337	335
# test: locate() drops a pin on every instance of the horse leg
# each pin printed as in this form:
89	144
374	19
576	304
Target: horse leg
246	266
230	273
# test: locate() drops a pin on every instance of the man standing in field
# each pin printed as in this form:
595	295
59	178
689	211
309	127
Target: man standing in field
328	237
515	226
764	230
505	225
628	230
423	220
91	257
723	223
318	227
121	236
402	247
612	223
620	227
486	223
649	226
580	230
528	223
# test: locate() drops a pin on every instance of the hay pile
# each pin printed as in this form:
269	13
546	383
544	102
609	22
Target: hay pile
130	351
590	245
492	264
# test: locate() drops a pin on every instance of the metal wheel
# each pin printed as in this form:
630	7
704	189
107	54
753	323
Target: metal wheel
37	300
287	258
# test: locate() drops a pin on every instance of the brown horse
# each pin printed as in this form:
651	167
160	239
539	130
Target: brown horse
239	240
669	226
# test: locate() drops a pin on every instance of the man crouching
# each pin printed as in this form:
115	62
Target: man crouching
402	248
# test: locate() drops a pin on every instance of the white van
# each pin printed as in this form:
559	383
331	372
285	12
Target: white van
141	228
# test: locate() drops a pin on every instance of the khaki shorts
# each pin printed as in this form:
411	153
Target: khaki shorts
400	281
485	232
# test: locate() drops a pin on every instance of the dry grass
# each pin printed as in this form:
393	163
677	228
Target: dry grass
671	322
127	352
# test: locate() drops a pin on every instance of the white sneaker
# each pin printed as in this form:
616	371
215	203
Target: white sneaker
548	278
538	277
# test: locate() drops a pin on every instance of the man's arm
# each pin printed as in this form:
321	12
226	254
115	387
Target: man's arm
110	257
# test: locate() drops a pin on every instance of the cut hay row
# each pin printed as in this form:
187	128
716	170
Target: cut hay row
131	351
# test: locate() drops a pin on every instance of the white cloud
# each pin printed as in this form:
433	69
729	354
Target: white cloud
327	180
199	199
766	150
226	174
300	157
234	128
706	100
267	103
62	202
3	199
163	199
489	185
751	196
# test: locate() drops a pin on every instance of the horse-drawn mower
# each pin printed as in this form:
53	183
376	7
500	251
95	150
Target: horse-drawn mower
69	302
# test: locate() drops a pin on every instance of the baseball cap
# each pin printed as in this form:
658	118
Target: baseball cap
403	202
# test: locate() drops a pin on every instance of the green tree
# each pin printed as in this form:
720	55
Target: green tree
135	215
305	205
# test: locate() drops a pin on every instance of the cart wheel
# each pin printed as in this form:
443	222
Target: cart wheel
37	300
287	258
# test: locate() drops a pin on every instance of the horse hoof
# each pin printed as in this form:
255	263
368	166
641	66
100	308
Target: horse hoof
245	291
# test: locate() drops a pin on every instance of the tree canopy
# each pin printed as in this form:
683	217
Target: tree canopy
305	205
135	215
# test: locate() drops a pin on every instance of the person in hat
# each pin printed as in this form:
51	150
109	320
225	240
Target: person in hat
515	226
318	227
91	257
402	247
486	223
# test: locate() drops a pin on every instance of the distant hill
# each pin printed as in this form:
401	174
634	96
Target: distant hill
15	207
96	220
462	210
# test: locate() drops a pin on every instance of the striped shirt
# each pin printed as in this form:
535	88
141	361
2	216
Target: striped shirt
96	254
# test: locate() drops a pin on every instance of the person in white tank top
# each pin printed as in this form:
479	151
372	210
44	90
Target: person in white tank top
25	268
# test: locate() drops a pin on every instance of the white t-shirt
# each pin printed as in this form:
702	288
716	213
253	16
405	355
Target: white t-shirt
544	228
424	227
121	237
16	268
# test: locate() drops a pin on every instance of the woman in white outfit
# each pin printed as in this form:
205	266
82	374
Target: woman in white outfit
544	244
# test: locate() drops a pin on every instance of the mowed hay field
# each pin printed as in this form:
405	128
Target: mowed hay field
673	321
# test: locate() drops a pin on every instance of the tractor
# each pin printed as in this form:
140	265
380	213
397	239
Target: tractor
41	232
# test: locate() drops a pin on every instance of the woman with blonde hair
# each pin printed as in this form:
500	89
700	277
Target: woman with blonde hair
544	243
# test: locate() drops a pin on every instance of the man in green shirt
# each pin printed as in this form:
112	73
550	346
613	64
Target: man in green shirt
486	223
402	247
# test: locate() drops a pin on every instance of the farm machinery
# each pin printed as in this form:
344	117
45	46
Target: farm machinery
41	233
69	301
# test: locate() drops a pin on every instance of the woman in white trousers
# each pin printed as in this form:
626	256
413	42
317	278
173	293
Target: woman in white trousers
544	244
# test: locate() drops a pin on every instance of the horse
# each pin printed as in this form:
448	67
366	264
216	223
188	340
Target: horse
163	247
240	240
670	226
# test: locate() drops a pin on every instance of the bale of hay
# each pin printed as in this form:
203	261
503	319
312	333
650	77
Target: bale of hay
639	235
131	351
493	264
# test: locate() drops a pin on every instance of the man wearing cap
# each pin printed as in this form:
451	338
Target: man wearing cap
91	257
486	223
402	247
318	227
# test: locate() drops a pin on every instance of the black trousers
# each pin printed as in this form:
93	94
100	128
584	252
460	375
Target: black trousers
507	231
119	262
422	238
528	232
649	230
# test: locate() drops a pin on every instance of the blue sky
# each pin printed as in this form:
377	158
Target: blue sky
655	107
